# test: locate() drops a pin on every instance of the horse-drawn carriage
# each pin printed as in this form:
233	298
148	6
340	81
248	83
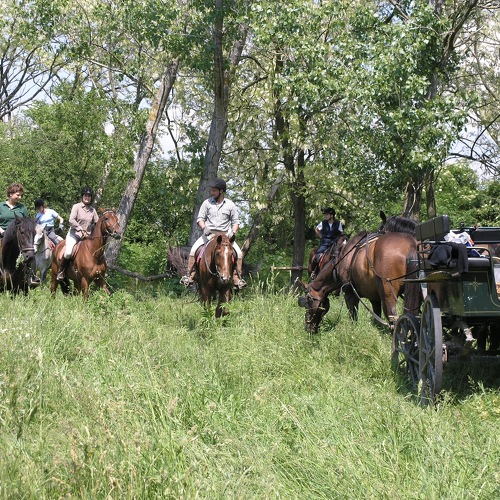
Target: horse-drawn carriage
460	315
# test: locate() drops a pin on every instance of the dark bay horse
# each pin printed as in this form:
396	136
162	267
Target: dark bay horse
313	268
88	264
372	266
17	256
214	272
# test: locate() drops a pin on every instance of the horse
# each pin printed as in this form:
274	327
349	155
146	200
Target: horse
313	268
397	224
17	256
214	272
372	266
88	264
43	252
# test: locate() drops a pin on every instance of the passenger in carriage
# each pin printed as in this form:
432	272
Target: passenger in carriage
46	217
328	231
217	214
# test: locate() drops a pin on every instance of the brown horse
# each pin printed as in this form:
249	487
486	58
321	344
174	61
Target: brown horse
313	268
214	272
17	256
370	266
88	264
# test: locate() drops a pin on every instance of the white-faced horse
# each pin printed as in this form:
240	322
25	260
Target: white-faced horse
43	252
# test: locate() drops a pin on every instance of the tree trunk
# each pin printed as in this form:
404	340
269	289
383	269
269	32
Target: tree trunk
413	199
253	234
128	200
222	91
299	223
429	194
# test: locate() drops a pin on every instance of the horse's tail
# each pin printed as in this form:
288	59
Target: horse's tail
412	291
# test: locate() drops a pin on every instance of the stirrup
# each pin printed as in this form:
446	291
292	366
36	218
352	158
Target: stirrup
241	284
60	276
185	281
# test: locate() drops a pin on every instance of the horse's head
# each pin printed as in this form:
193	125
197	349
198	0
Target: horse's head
327	281
223	258
317	305
109	224
23	230
397	224
39	238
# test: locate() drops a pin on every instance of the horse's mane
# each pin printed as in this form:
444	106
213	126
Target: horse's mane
10	232
398	224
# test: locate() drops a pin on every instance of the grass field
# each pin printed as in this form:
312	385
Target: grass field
143	395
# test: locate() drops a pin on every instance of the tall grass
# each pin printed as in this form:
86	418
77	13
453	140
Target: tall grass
137	397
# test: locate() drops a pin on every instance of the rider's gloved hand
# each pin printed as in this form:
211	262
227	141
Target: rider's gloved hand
207	231
230	234
61	227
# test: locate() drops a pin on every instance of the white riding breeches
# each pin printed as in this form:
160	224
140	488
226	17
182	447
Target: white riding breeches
203	239
71	241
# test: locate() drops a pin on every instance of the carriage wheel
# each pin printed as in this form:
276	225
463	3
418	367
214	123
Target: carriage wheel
405	357
430	351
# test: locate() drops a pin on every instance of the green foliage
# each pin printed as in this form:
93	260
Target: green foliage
152	398
464	198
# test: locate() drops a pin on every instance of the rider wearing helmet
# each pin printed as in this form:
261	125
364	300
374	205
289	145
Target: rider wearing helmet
81	220
46	217
217	214
328	231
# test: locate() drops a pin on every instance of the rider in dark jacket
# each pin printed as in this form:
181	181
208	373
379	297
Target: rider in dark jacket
328	231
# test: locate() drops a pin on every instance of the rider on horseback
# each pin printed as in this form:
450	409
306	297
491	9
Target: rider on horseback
328	230
46	218
83	216
8	211
217	214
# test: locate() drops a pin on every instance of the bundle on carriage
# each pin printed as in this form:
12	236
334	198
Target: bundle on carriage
460	314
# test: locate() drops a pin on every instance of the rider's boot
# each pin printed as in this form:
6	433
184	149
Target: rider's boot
62	269
239	282
188	279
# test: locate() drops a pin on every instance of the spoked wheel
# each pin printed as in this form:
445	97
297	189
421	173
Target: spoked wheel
405	357
430	351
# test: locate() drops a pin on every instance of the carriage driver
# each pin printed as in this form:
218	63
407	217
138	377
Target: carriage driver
217	214
83	216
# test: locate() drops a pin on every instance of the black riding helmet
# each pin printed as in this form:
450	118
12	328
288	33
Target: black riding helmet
39	202
88	190
219	184
329	210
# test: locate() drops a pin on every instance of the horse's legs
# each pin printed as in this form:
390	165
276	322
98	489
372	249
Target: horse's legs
206	296
100	281
352	301
224	297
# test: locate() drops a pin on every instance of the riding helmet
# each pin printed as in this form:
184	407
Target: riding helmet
329	210
88	190
219	184
39	202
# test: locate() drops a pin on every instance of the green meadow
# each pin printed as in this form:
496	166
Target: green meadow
145	395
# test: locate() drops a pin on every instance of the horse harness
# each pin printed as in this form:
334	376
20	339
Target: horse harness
204	255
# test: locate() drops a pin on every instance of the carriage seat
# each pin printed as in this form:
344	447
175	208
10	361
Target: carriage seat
434	229
479	263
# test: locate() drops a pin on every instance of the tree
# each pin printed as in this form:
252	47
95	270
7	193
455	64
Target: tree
32	51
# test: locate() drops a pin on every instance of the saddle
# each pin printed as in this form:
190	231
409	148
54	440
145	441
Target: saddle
60	253
201	250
